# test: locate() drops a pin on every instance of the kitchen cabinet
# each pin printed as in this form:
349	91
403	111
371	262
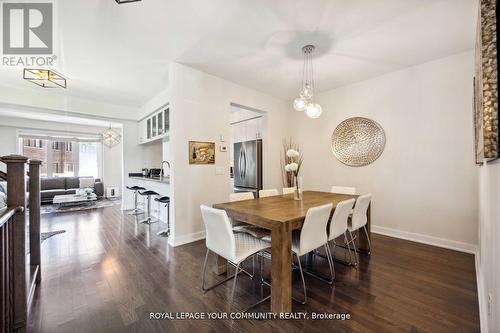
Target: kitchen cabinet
155	126
247	130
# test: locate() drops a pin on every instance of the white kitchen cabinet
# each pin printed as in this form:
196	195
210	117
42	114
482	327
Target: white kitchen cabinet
247	130
155	126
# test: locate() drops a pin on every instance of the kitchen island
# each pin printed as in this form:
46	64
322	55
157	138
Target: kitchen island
160	185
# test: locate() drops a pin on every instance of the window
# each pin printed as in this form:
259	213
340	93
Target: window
34	143
88	158
64	158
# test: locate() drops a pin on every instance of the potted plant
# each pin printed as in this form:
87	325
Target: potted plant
293	162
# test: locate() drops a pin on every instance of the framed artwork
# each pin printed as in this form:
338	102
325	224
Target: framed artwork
486	84
201	152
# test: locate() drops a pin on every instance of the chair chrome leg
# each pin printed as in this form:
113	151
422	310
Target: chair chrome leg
205	289
204	269
258	303
356	255
244	271
234	286
348	247
330	262
303	281
368	237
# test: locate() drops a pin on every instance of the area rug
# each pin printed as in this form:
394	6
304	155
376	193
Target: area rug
46	235
52	209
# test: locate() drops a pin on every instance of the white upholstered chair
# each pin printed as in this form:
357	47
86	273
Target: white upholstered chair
338	225
234	247
359	219
312	236
288	190
244	227
241	196
343	190
268	193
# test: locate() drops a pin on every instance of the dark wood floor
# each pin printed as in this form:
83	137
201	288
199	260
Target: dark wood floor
105	274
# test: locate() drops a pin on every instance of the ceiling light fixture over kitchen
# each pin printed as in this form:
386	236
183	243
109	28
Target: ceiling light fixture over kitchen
46	78
110	137
305	101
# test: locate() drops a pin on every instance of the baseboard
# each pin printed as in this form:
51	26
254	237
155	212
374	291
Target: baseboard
483	303
185	239
425	239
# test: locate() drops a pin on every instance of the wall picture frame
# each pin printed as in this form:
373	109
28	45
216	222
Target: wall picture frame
486	133
201	152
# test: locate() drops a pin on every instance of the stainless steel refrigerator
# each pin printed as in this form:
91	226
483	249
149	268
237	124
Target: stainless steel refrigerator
247	167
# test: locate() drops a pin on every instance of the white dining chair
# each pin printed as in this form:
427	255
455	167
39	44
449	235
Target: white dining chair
221	240
239	226
343	190
241	196
288	190
338	226
312	236
268	193
359	219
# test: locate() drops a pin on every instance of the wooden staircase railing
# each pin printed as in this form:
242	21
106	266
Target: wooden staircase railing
19	272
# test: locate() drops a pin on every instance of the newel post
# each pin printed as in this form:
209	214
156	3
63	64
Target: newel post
16	197
34	215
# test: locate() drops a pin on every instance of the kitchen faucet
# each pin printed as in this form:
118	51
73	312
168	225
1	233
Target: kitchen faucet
161	167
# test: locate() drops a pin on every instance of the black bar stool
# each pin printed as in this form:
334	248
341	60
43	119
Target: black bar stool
136	189
165	200
148	218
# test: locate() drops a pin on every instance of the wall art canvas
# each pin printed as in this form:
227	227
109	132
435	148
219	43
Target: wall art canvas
201	152
486	84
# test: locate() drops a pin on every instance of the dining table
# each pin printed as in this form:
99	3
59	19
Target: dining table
282	214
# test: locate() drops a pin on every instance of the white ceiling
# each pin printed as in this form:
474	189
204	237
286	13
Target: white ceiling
120	53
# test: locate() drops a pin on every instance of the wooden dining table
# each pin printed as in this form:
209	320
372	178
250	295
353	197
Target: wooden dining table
281	215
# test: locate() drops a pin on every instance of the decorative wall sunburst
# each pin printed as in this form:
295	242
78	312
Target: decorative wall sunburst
358	141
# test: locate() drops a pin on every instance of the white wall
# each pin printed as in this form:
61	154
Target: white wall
200	107
425	183
488	258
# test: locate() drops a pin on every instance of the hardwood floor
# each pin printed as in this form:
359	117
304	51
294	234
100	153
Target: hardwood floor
105	274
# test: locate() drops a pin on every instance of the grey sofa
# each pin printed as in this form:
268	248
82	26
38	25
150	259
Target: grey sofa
50	187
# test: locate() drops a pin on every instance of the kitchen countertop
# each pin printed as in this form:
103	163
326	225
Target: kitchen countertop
165	180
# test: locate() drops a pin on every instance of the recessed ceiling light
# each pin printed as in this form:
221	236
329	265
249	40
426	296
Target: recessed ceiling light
125	1
46	78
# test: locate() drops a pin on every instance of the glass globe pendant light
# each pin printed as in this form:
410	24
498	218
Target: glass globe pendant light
313	110
300	104
304	102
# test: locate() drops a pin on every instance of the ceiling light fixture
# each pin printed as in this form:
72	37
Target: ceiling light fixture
110	137
126	1
305	101
46	78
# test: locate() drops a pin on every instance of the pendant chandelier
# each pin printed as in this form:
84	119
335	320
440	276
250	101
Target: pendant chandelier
305	100
110	137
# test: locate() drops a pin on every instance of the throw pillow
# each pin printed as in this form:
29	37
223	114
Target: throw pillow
87	182
3	200
3	187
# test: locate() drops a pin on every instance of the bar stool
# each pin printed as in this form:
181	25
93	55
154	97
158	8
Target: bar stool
149	194
165	200
136	189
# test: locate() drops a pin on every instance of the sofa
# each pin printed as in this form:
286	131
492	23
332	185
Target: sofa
50	187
